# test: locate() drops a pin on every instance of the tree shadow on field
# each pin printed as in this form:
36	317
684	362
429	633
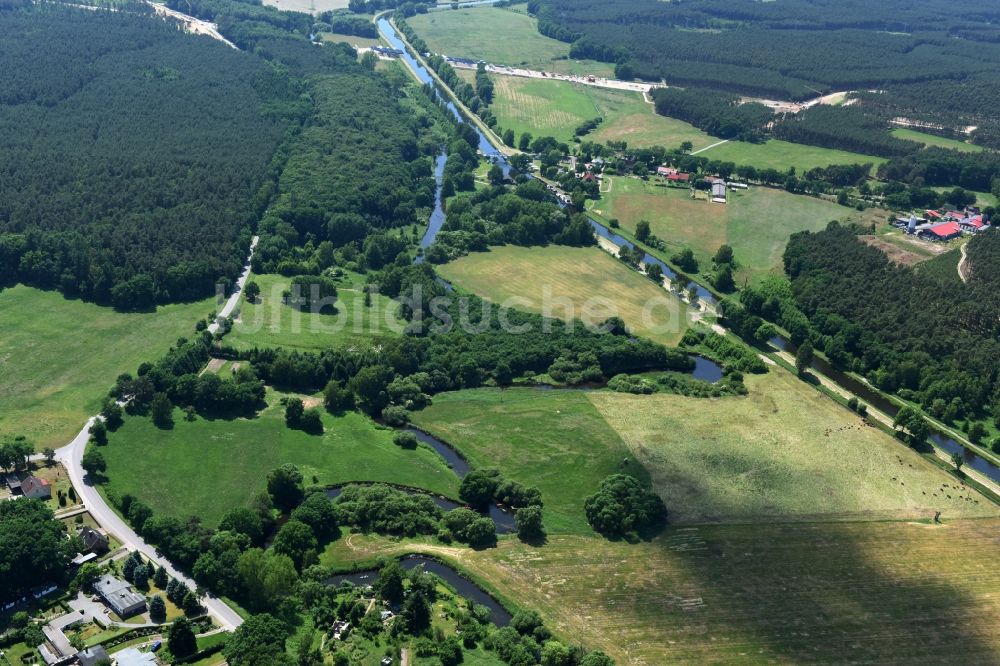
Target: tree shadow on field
877	592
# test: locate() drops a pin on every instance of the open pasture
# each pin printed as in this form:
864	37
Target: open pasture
206	467
571	283
756	222
59	357
270	323
877	592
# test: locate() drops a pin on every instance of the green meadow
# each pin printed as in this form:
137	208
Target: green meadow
935	140
59	357
208	466
499	36
755	222
777	154
591	282
784	452
270	323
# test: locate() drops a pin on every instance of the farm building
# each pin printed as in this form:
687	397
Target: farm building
719	191
120	596
943	231
673	175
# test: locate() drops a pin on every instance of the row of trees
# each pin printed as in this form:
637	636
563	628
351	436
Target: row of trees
719	114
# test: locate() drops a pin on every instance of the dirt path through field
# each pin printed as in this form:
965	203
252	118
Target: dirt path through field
964	271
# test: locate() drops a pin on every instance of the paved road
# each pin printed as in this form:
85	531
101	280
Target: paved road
71	456
234	298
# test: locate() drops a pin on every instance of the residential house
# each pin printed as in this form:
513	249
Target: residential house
35	488
92	655
119	596
93	541
133	657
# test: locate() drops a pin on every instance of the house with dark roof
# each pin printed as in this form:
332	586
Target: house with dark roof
92	655
93	541
119	596
36	488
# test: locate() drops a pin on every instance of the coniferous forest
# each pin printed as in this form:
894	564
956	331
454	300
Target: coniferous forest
133	158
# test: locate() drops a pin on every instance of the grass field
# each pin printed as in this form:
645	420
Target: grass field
555	108
270	323
776	154
353	40
501	37
571	282
59	357
207	467
862	593
554	440
935	140
785	452
756	222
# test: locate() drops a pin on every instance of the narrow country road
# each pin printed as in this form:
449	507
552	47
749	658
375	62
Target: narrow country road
710	147
71	456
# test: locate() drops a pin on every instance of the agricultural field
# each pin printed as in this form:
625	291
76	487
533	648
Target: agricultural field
571	283
59	357
785	452
936	141
221	464
777	154
756	222
555	108
502	37
270	323
875	592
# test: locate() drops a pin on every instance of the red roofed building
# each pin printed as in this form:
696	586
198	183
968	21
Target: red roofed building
945	231
36	488
972	224
932	214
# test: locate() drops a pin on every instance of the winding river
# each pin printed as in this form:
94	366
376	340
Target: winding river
465	587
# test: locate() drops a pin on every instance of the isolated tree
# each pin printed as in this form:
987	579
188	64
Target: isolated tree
113	414
528	521
161	411
337	397
293	412
405	440
686	146
723	278
654	273
914	424
596	658
93	462
524	143
957	459
804	357
685	260
508	137
642	231
50	456
312	421
157	609
251	291
284	485
181	639
724	255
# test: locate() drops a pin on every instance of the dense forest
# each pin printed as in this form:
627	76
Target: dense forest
791	49
921	334
126	176
850	128
719	114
